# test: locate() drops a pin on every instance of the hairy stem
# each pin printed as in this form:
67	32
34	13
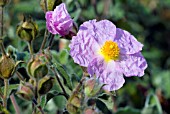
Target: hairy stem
58	79
38	106
79	85
1	94
1	21
45	2
19	76
1	32
44	40
2	47
30	47
51	41
46	31
37	93
5	92
16	107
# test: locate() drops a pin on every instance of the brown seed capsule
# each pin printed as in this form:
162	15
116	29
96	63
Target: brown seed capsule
37	68
26	91
27	29
51	4
74	103
72	109
45	85
7	67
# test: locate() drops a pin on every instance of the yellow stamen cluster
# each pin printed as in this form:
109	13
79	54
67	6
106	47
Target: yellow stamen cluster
110	51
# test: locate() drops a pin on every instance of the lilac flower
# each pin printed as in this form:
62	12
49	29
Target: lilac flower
108	53
59	20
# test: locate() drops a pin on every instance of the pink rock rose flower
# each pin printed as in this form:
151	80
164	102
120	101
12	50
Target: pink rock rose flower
108	53
59	20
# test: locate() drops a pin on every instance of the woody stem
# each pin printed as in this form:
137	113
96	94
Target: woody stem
1	32
5	93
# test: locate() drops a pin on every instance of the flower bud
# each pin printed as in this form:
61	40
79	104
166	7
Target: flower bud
72	109
37	68
59	21
92	87
3	2
26	91
51	4
27	29
74	103
7	67
45	84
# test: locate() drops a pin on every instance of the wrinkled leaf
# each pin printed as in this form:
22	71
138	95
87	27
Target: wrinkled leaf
63	56
51	95
66	78
102	106
11	88
109	103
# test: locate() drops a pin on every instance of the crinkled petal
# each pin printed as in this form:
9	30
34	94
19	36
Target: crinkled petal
127	42
63	28
102	30
60	12
133	65
114	81
90	38
49	22
83	47
107	73
59	20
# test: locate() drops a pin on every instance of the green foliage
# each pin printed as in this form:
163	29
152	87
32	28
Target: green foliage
128	110
12	87
152	105
64	75
162	80
147	20
102	106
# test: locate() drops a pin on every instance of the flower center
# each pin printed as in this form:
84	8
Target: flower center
110	51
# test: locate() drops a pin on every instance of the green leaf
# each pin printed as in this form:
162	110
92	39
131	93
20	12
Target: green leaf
152	105
66	78
51	95
57	97
63	56
102	106
43	101
109	103
11	88
128	110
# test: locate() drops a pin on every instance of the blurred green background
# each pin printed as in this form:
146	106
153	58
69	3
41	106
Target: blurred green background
147	20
